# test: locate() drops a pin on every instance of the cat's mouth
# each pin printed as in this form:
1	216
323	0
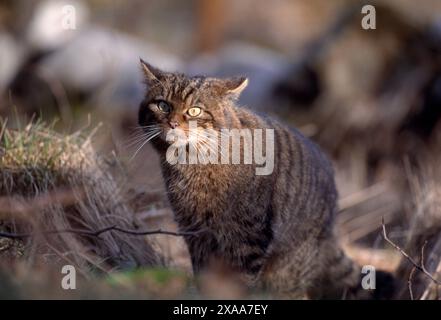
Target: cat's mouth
180	137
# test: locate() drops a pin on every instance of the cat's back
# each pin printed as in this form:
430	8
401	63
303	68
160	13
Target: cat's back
294	153
304	192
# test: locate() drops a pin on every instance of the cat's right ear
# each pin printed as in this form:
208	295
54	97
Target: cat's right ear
151	73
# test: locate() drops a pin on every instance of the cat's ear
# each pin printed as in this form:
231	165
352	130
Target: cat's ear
151	73
235	86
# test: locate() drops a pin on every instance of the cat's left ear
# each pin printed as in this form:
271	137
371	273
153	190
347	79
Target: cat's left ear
235	86
152	74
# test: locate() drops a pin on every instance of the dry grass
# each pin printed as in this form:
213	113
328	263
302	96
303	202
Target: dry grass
54	181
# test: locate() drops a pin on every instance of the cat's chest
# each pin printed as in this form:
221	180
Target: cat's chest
199	188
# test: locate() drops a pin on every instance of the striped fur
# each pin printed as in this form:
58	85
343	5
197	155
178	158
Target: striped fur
276	230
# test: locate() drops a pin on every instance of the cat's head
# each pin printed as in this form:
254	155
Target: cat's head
173	100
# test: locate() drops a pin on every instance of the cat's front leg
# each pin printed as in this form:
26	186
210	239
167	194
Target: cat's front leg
202	249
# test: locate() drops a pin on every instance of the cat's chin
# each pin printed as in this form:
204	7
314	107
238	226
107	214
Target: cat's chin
177	138
178	143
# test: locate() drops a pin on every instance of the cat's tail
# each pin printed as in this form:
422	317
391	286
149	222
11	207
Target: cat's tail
342	278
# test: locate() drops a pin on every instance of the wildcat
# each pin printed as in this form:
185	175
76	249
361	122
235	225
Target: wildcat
276	230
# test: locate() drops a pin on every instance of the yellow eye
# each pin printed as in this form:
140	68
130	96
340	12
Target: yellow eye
194	112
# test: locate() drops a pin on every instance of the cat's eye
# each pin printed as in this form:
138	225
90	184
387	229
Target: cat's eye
194	111
163	106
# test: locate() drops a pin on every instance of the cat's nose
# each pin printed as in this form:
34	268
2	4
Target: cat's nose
173	124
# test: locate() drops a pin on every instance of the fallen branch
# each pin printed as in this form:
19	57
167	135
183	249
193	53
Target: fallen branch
96	233
420	267
12	207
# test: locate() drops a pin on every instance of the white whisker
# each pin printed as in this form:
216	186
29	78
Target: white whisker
208	147
212	144
144	143
137	139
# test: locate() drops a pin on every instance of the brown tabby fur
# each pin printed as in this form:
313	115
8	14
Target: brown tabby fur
277	229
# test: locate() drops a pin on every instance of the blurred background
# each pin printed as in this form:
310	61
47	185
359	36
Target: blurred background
370	98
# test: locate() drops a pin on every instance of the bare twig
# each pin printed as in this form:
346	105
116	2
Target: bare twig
417	266
96	233
409	282
422	257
